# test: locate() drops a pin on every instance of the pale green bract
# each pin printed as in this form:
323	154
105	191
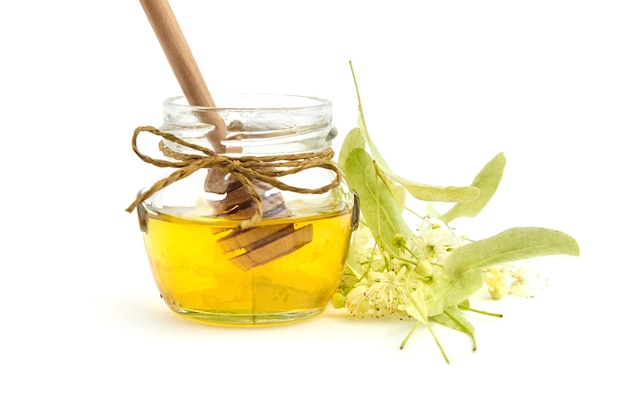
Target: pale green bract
427	273
487	182
378	205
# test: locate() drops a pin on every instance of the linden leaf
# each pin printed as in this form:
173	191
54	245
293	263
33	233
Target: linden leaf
487	182
511	245
453	318
450	290
463	268
436	193
378	206
397	190
399	194
353	140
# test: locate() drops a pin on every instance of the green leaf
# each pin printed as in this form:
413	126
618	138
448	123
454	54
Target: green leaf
450	290
436	193
487	182
353	140
463	268
399	194
511	245
397	190
453	318
378	206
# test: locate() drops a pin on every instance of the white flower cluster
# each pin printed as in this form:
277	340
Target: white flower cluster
378	281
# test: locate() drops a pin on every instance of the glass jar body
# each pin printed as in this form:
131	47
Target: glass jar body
286	267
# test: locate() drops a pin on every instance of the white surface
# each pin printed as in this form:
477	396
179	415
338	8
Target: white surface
445	85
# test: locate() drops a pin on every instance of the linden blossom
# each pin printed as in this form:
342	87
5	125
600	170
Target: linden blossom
429	275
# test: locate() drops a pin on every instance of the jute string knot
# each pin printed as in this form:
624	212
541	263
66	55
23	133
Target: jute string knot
242	168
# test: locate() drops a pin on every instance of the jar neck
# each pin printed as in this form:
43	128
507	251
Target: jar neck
257	124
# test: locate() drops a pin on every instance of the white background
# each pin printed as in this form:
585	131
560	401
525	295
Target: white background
445	85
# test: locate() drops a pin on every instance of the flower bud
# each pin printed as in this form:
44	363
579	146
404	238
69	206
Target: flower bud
399	240
424	268
339	300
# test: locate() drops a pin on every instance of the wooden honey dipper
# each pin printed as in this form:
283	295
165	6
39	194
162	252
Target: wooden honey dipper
260	244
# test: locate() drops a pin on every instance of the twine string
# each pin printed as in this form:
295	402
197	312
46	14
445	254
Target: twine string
243	168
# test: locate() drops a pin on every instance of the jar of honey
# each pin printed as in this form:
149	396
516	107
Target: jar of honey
252	227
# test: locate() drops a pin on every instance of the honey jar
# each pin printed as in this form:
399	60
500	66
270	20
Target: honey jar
252	227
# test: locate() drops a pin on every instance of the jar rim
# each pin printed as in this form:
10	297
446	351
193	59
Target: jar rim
253	101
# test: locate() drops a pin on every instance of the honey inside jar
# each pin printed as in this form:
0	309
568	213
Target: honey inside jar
253	228
198	278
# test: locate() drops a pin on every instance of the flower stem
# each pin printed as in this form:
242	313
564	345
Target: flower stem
486	313
408	336
408	261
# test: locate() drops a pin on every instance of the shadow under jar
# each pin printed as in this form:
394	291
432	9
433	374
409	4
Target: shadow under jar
285	268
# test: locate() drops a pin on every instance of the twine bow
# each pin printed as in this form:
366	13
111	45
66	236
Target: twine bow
243	169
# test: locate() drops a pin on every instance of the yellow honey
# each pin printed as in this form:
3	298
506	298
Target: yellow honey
198	276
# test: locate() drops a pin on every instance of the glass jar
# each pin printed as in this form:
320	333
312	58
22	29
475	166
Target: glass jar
209	266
